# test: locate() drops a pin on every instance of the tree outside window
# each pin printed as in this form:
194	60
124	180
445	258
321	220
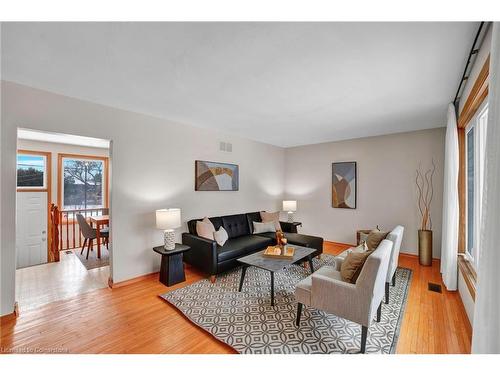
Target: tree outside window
30	171
83	183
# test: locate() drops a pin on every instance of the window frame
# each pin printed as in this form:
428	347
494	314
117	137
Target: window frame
475	125
60	176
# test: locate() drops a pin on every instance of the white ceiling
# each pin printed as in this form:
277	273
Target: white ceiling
282	83
69	139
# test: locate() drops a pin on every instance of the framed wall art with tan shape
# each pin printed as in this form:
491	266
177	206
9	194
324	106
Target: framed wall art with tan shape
344	189
215	176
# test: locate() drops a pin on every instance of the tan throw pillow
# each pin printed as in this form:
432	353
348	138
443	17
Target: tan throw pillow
221	236
271	216
263	227
352	265
205	228
375	238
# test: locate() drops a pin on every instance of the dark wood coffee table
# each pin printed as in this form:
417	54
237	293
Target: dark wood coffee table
274	264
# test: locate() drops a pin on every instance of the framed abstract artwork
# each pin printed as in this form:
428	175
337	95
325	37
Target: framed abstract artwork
214	176
344	176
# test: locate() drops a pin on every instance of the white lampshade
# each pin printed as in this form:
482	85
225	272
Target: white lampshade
290	206
168	218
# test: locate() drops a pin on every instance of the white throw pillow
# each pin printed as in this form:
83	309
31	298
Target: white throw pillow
221	236
363	237
263	227
361	248
205	228
271	216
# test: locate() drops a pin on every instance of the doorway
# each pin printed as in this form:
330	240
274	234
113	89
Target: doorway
62	202
34	181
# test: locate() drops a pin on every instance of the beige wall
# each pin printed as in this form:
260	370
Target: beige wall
55	149
466	297
386	185
152	167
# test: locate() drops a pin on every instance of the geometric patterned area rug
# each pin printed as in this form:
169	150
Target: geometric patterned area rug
248	323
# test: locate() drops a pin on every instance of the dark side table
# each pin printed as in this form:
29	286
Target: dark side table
172	268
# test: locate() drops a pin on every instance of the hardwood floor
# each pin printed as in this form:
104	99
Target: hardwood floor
133	319
55	281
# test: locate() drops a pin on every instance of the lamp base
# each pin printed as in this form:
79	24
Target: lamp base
169	239
290	216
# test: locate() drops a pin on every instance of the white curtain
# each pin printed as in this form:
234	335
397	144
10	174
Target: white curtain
449	239
486	328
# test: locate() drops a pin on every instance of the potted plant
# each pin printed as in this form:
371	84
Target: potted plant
425	190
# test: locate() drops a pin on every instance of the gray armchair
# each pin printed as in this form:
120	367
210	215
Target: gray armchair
325	290
396	236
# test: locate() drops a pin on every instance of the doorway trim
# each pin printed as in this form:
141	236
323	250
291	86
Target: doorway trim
48	185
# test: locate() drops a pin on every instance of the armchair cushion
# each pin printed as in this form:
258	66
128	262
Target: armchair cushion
304	287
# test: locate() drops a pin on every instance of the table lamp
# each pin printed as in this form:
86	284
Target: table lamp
168	219
290	207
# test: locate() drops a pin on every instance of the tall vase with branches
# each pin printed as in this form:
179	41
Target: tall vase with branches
425	190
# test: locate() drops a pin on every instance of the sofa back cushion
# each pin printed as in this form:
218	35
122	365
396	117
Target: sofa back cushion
235	225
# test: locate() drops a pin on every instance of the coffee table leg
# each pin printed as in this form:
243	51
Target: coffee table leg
311	264
243	271
272	288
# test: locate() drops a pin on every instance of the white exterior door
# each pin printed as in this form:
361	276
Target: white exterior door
31	228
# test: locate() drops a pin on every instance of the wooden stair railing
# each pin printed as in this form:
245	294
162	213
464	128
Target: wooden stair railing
54	233
70	234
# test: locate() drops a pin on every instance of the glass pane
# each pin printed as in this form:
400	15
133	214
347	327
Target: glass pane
30	170
83	183
470	192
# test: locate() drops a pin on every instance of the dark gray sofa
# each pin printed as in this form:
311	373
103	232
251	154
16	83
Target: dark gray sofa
208	257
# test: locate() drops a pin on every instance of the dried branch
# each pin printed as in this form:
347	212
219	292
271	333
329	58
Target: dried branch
419	188
432	191
425	187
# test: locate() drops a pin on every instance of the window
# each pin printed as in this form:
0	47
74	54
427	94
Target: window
31	171
475	153
83	182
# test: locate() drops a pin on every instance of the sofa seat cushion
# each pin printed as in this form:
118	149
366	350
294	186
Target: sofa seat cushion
241	246
303	288
270	235
302	240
